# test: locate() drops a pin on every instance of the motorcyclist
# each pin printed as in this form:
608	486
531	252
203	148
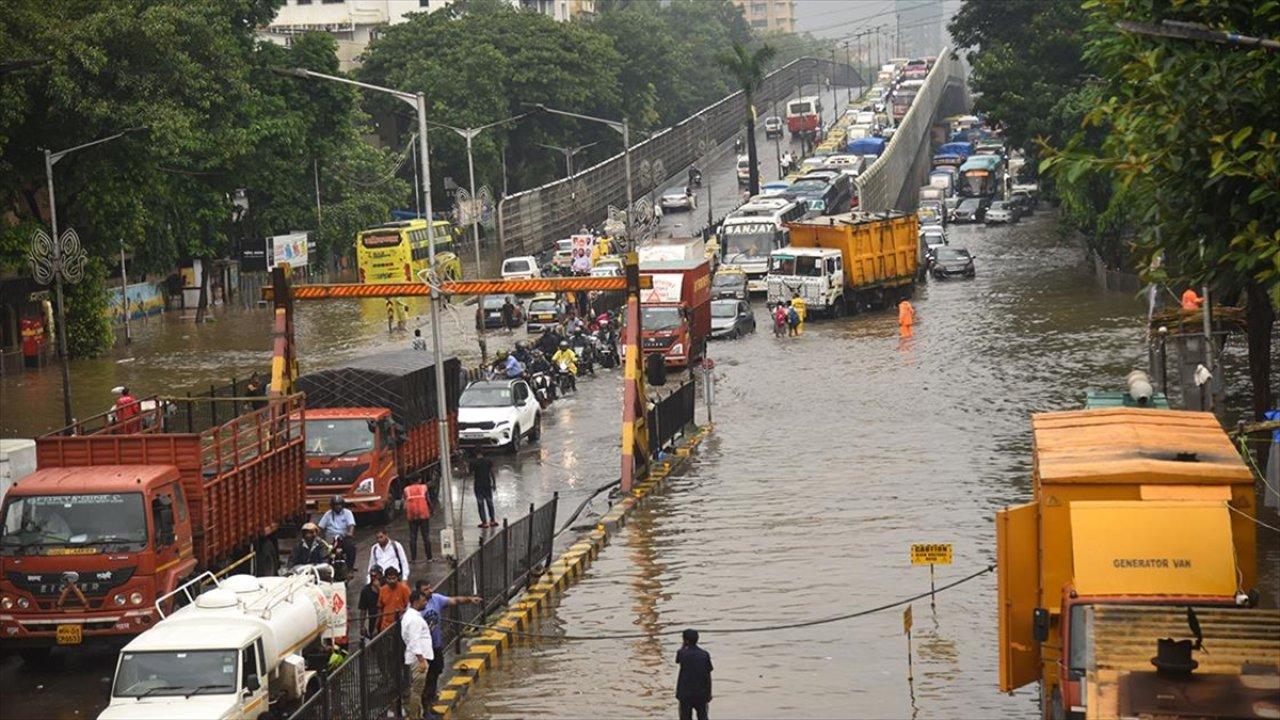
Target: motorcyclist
550	341
567	356
695	176
310	550
538	363
522	353
511	367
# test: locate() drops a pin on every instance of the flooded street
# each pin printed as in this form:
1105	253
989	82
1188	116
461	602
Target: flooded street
832	453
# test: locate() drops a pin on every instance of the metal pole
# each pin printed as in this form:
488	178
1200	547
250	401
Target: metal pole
1207	315
417	197
124	296
475	236
626	156
452	529
315	167
57	289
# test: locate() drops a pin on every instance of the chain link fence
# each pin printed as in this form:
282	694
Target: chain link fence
892	181
528	222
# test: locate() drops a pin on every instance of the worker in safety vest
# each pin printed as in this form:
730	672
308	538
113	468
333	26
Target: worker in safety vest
417	510
1190	300
906	317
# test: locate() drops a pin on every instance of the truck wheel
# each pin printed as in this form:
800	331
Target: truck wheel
536	433
266	561
838	308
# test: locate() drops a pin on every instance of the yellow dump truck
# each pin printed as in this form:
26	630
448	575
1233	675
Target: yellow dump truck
1125	586
844	263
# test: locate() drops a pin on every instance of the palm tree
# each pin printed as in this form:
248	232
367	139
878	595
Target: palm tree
748	68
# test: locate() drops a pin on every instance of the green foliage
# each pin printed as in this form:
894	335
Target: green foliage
88	324
748	68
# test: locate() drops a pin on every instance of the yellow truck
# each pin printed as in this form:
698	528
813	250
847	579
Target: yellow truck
843	263
1126	586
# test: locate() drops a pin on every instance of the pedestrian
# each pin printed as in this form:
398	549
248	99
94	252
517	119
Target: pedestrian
419	342
310	550
256	388
693	685
779	319
906	318
338	527
418	654
433	613
482	484
127	411
368	605
793	321
1191	300
417	510
393	598
508	314
387	554
802	309
657	212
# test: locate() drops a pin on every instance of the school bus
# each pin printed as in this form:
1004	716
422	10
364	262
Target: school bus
398	251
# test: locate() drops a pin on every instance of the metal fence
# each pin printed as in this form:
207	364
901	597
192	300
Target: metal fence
670	417
890	182
530	221
371	682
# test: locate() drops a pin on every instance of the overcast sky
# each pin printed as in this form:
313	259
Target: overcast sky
838	18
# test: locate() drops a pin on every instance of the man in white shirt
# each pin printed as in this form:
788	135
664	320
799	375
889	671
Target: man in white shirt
387	553
338	527
418	653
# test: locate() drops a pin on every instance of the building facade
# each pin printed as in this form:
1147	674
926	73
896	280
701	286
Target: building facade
769	15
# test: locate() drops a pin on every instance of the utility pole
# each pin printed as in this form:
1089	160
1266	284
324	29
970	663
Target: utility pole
124	295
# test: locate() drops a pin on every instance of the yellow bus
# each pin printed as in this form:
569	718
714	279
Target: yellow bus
397	251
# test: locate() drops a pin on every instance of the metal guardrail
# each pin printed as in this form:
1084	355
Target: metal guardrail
371	681
671	416
530	221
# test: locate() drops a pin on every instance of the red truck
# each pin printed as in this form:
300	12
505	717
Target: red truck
675	315
118	514
372	426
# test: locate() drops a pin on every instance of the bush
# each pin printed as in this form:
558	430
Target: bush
89	331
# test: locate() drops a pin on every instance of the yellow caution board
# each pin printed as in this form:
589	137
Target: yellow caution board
930	553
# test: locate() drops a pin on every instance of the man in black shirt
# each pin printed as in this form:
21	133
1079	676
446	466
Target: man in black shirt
482	477
693	687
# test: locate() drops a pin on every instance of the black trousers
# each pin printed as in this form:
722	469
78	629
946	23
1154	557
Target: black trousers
434	669
416	528
687	710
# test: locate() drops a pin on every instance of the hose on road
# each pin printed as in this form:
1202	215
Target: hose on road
569	522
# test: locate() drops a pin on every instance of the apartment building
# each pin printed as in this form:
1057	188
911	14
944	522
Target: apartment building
769	15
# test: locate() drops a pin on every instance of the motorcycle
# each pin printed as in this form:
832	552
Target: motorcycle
543	388
606	350
585	350
695	178
565	379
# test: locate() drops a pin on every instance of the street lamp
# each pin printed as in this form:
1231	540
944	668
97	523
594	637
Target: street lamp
468	134
622	127
451	535
61	259
568	153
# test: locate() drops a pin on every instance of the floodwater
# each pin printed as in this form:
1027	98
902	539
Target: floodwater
832	453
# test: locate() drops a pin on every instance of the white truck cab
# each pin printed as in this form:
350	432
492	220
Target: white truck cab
815	274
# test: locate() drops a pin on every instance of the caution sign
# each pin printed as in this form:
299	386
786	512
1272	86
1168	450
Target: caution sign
930	553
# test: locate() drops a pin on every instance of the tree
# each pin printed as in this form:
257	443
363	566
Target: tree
1190	138
748	68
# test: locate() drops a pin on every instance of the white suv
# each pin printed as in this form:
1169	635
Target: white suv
498	413
520	267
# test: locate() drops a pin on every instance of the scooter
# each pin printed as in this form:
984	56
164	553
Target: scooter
565	379
695	178
543	388
585	350
606	350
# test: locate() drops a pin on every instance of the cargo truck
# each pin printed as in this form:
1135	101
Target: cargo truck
1138	548
843	263
676	312
372	427
111	520
245	648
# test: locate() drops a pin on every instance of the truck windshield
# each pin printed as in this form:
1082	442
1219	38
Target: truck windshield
338	437
752	241
804	266
42	521
148	674
659	318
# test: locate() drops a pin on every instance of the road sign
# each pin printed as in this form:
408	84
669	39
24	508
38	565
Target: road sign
930	553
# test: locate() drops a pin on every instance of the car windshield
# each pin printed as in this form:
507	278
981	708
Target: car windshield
659	318
933	239
675	192
486	395
338	437
494	302
42	521
724	309
726	280
946	253
969	204
541	306
997	205
148	674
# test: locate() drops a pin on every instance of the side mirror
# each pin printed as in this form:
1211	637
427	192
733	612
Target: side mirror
1040	624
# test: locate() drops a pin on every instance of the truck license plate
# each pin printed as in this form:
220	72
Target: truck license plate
70	634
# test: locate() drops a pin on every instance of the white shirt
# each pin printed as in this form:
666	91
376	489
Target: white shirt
390	556
417	637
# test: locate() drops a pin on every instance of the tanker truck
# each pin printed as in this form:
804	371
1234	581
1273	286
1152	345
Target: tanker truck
237	650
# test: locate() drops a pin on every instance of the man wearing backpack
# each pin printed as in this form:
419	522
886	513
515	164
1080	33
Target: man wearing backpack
417	510
793	320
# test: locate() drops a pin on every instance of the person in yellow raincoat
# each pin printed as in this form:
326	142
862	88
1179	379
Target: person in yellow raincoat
802	310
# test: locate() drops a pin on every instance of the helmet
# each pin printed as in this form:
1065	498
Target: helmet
502	354
310	526
337	500
564	343
520	345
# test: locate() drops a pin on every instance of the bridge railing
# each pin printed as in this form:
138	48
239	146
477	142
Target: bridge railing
530	221
882	184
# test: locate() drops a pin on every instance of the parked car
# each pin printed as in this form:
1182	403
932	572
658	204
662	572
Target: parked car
1000	212
520	267
932	237
773	126
677	199
492	311
952	262
1023	201
731	319
498	413
729	283
545	312
970	210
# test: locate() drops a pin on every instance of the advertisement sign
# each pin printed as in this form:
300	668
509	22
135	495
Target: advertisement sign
666	289
291	248
582	247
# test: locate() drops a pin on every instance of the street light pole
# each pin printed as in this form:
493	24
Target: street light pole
568	153
451	535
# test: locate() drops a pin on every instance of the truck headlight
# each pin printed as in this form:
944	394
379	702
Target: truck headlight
677	349
6	603
365	487
24	603
119	599
135	598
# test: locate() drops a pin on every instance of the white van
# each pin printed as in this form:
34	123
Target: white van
520	267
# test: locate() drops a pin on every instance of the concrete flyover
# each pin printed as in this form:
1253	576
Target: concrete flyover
893	181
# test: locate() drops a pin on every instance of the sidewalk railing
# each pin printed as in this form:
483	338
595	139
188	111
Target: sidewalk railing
670	417
371	681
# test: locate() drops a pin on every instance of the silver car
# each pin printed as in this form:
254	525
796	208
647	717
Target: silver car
1000	213
678	199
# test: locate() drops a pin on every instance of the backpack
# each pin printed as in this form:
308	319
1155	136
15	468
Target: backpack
416	506
793	317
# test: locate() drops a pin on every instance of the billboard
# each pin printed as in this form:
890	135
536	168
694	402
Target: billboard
291	249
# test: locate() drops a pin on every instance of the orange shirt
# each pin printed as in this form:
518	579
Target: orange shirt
1190	300
391	600
906	313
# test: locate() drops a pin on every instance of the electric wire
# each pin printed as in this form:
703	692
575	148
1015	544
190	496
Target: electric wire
1248	456
1254	519
734	630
